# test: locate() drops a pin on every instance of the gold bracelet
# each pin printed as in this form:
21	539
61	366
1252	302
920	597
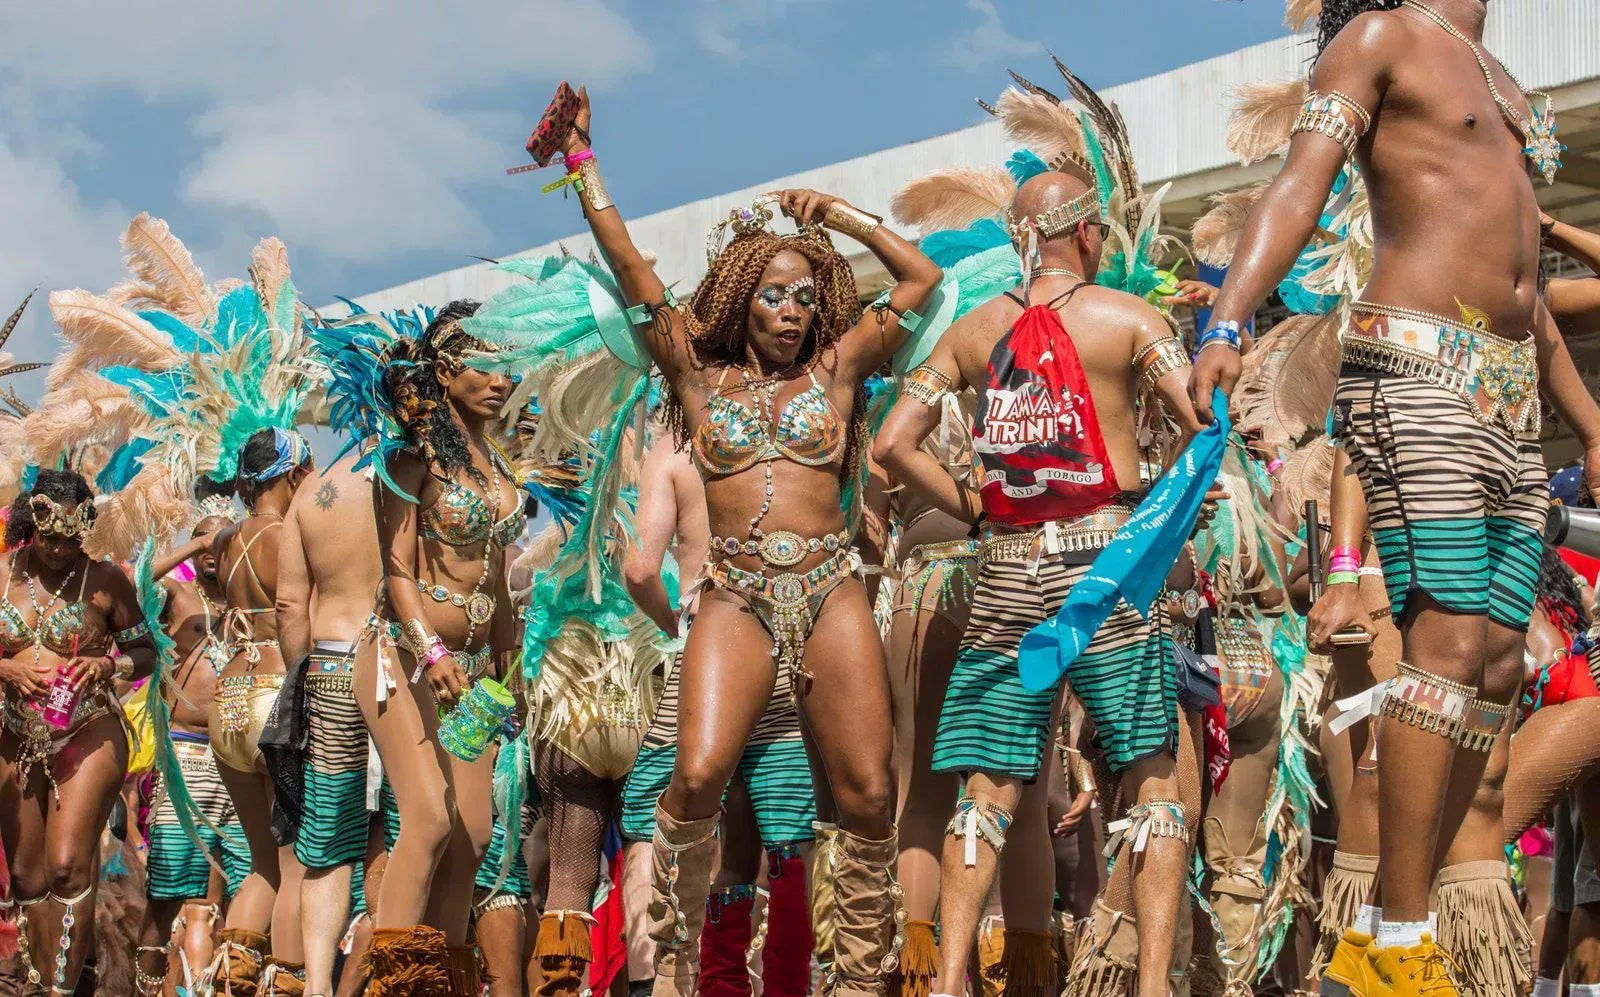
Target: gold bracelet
591	188
854	222
1329	114
122	667
927	384
416	639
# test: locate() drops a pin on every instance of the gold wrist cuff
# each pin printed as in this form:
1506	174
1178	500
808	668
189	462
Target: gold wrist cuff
591	188
854	222
416	639
1159	359
123	667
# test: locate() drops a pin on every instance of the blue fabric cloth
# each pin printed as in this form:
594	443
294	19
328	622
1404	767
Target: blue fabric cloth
1135	565
293	450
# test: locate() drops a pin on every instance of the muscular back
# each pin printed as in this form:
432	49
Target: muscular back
1106	327
1453	208
333	517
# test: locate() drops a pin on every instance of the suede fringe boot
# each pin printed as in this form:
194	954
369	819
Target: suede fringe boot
991	977
466	974
684	855
282	978
408	962
919	962
1030	964
1482	928
239	962
725	943
869	916
564	951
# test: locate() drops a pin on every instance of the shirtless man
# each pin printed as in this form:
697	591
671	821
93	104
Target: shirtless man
272	465
328	574
180	884
1437	405
1053	494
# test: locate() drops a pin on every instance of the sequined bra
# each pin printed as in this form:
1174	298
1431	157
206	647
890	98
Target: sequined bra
732	438
461	518
64	632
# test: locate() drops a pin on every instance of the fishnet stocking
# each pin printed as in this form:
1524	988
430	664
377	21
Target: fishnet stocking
1556	749
578	806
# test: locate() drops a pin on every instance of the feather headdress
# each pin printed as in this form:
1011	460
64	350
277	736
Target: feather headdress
169	376
13	442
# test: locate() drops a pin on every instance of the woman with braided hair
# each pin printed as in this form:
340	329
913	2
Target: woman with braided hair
69	625
448	507
765	368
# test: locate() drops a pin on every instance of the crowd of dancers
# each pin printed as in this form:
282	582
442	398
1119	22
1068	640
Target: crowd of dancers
1039	626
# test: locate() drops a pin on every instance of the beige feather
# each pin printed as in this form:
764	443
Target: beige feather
1297	14
1216	233
106	333
86	408
1045	125
1262	118
954	198
1288	379
164	274
1308	474
269	269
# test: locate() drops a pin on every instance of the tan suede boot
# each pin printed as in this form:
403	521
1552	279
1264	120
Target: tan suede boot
684	857
870	917
564	952
408	962
282	978
820	875
919	962
466	976
239	963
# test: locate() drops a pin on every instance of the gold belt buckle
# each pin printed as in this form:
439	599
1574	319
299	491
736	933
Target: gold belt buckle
783	548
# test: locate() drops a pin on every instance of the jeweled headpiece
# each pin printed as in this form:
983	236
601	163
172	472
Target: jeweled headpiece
219	507
58	520
1061	219
742	222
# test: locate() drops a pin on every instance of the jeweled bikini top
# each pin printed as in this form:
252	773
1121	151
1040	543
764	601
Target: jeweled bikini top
733	438
462	518
64	632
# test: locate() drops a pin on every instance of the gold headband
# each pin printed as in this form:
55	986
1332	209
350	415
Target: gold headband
1060	219
58	520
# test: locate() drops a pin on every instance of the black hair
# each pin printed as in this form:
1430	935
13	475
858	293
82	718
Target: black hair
415	394
1558	593
68	488
1338	13
205	488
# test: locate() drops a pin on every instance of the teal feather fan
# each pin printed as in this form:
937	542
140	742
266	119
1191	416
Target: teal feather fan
157	689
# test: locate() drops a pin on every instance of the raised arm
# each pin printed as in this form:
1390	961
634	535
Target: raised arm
293	596
654	527
667	339
898	446
1563	385
1571	241
168	562
879	333
1347	86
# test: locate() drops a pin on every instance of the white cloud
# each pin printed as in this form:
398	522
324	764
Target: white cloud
351	126
741	30
980	47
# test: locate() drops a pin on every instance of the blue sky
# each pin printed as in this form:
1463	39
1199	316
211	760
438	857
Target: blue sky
372	136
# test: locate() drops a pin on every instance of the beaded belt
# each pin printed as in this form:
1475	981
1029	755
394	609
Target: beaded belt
781	548
948	550
233	700
194	757
1070	536
1499	377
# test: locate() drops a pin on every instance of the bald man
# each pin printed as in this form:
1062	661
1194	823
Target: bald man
1057	368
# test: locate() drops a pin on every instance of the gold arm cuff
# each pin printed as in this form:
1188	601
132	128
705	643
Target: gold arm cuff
416	639
927	385
854	222
1159	359
1331	114
591	188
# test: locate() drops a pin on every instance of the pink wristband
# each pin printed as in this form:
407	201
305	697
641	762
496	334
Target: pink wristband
436	652
573	160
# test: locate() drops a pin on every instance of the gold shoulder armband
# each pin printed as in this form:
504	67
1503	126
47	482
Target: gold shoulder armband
1335	115
926	384
1160	358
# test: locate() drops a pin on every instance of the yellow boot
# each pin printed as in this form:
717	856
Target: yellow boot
1346	975
1408	972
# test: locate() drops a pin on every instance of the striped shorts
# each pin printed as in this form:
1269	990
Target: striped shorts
176	868
1457	507
1127	679
333	831
773	766
517	881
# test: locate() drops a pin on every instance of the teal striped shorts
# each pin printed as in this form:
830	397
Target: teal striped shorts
1127	680
176	867
333	830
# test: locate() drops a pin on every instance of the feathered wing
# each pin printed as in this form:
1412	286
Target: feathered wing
163	274
1262	118
1216	233
954	198
1288	380
1300	14
1308	474
104	333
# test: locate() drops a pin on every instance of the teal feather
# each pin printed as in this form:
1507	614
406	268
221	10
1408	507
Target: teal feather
511	770
1024	165
150	598
1105	178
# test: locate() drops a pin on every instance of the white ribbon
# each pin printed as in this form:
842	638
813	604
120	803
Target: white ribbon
1362	705
374	777
970	852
